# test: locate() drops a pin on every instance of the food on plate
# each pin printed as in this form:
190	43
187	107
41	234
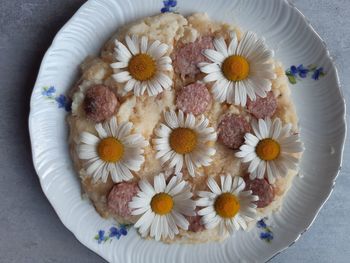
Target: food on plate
185	128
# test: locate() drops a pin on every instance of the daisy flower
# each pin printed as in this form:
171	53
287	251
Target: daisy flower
184	139
239	69
163	207
270	149
142	65
114	151
228	207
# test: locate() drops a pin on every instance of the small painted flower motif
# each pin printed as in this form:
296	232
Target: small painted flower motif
117	233
302	71
317	73
100	237
61	100
169	6
48	91
64	102
266	234
114	232
295	72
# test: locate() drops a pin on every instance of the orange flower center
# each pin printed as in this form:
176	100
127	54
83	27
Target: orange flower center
183	140
110	150
142	67
162	204
268	149
235	68
226	205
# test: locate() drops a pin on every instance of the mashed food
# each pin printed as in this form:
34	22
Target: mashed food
98	96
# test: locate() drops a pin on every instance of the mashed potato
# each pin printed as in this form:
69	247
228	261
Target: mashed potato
174	30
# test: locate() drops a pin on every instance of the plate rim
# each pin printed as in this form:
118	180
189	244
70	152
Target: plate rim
339	89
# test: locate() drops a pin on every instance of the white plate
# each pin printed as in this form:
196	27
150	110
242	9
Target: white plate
319	103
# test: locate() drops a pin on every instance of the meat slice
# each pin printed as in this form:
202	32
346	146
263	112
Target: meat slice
194	98
231	130
187	57
100	103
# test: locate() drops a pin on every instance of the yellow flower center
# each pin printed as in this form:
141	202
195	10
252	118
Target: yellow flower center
235	68
162	204
183	140
268	149
226	205
110	150
142	67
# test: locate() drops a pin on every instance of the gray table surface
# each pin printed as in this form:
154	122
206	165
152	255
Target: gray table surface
30	229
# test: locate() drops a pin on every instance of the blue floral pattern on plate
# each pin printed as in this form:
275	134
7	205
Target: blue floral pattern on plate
113	233
300	72
61	100
169	6
266	234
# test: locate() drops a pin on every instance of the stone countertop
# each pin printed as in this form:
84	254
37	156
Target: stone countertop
31	230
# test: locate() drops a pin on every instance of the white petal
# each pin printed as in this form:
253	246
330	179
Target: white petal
133	44
220	89
242	93
153	47
251	140
172	227
123	130
144	44
271	172
214	76
276	128
240	185
123	171
206	211
250	90
122	77
249	157
213	222
254	164
190	121
296	147
159	183
261	170
155	230
130	85
171	184
171	119
101	131
122	48
255	125
213	186
177	189
145	220
214	56
87	152
241	222
233	44
220	45
146	187
246	45
231	93
119	65
180	220
160	51
209	68
263	129
164	80
164	226
189	165
227	184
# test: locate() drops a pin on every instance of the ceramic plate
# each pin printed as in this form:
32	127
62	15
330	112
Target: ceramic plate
315	90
